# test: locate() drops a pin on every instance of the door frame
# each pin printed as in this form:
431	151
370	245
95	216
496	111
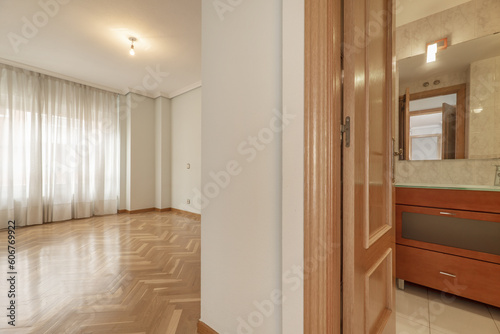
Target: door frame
322	167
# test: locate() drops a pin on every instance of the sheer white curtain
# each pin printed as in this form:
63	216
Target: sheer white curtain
59	149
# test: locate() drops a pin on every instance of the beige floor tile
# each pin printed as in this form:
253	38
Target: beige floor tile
406	326
412	303
455	315
435	331
495	313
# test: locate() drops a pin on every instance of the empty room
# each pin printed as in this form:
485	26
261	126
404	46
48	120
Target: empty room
250	166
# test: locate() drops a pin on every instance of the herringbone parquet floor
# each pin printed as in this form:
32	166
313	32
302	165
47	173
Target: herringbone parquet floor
128	274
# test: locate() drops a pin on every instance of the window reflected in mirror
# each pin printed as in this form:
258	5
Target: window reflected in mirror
426	131
434	124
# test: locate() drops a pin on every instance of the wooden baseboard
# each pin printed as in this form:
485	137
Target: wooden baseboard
144	210
187	213
136	211
203	328
163	210
182	212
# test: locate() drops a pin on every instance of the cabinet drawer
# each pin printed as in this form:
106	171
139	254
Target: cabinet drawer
483	201
474	235
473	279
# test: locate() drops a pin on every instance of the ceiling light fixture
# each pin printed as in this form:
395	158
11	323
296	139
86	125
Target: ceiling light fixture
132	50
433	48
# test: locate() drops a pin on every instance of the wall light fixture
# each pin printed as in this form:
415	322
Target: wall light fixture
434	47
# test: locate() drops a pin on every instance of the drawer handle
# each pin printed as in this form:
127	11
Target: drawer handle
447	274
448	213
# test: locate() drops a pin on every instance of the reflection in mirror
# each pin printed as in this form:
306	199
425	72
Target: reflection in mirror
434	124
426	126
472	30
451	107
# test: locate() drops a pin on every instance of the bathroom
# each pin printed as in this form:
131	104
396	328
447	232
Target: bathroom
447	169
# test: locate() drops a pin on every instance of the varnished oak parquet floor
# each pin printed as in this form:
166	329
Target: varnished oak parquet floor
128	274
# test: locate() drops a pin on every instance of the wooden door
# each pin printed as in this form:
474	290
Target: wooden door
449	130
368	208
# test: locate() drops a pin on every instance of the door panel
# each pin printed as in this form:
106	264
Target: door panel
378	128
449	130
378	304
369	234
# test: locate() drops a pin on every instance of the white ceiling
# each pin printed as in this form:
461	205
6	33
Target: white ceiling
87	41
412	10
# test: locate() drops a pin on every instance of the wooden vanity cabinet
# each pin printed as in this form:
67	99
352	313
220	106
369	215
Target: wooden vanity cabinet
449	240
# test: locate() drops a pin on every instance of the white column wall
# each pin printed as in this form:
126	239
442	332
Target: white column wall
186	149
241	166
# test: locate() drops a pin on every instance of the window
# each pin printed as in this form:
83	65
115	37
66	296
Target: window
59	149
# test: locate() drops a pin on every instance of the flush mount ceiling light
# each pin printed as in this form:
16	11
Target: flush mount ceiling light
433	48
431	52
132	50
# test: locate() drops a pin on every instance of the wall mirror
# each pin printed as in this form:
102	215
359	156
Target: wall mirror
450	108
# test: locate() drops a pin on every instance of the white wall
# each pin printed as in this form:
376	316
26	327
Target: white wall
293	167
141	154
158	138
124	149
186	148
163	153
241	229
